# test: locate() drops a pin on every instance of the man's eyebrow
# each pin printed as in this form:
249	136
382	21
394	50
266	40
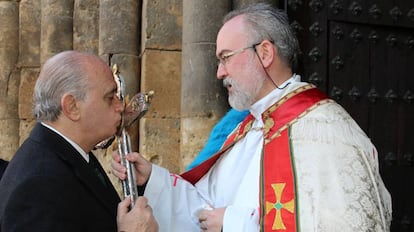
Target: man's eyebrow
112	91
223	51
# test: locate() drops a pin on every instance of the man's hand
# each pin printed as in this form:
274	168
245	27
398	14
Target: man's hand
211	219
139	219
142	167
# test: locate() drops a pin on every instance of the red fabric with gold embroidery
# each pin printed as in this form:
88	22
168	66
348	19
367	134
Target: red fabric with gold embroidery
277	190
277	187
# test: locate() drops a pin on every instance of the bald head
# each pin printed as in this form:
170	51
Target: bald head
65	72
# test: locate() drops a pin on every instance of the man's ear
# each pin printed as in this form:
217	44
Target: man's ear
70	107
267	52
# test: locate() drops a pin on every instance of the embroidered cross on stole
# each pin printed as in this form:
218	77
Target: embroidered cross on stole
277	174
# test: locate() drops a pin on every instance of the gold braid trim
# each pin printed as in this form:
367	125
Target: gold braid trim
269	121
278	132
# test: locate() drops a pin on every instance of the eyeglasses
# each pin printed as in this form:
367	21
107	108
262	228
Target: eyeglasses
224	58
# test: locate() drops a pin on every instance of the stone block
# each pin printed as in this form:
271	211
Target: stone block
9	87
9	36
160	142
119	27
29	44
27	82
85	26
162	24
56	27
25	127
194	135
161	72
202	92
203	19
9	138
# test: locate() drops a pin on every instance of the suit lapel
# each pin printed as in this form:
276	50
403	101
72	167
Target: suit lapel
106	193
80	168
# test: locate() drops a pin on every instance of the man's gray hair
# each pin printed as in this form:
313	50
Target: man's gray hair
263	21
61	74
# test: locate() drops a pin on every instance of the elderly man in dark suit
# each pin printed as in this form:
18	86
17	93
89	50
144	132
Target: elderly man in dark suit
54	182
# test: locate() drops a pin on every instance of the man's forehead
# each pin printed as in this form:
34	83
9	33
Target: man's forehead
231	35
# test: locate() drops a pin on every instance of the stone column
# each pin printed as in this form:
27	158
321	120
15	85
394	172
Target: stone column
9	78
119	26
56	27
29	61
161	72
118	43
86	26
203	99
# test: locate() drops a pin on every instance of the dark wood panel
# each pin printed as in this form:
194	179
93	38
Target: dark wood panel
348	77
309	21
398	13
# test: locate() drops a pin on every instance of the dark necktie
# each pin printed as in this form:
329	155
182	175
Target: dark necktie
95	168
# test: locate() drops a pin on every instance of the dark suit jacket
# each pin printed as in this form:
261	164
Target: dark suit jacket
3	166
48	186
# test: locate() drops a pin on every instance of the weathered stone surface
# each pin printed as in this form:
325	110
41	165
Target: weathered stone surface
161	72
159	129
119	26
85	26
202	93
27	81
26	126
198	14
203	98
30	14
56	27
9	137
9	87
162	24
9	36
160	143
9	122
194	134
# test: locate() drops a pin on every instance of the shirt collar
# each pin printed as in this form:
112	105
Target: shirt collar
263	104
76	146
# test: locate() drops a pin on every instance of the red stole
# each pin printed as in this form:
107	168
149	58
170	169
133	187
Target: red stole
277	180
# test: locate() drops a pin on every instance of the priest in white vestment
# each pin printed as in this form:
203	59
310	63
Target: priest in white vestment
326	172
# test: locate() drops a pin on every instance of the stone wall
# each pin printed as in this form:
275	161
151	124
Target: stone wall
9	78
142	37
165	46
161	71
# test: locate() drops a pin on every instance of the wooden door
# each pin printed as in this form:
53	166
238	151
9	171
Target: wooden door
361	52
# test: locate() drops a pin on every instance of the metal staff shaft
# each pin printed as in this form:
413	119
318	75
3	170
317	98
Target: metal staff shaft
129	186
134	110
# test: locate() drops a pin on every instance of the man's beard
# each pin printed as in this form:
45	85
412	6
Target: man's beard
239	99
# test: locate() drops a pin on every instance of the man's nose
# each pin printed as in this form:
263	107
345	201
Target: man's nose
221	71
119	105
